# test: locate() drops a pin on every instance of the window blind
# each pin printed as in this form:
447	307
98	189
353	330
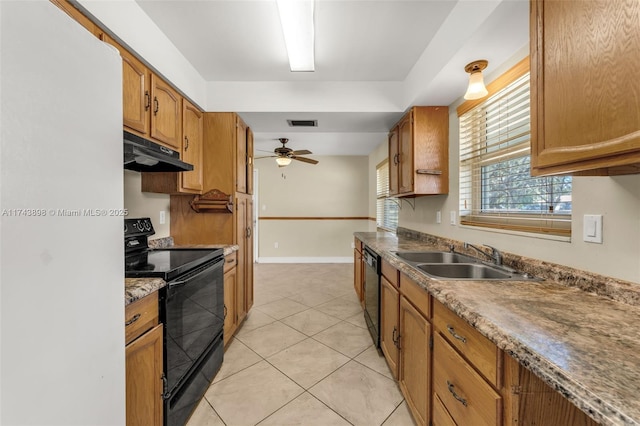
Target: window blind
496	188
386	208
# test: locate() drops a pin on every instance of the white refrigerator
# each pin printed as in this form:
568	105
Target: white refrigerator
61	227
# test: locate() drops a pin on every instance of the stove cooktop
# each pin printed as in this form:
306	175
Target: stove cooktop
167	263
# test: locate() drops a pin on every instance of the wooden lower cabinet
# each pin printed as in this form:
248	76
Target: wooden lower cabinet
230	297
440	415
468	398
415	356
390	324
358	275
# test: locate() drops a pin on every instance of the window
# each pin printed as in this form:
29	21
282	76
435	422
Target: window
386	207
496	188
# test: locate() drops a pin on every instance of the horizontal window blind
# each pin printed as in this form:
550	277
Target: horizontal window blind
496	187
386	208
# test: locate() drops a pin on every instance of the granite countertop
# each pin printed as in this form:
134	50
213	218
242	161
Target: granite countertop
137	288
585	345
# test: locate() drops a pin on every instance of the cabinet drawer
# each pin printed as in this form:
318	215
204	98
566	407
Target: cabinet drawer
230	261
140	316
441	416
479	351
416	295
390	273
464	393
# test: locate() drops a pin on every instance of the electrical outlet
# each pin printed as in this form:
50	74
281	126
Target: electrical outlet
275	245
438	216
163	218
453	217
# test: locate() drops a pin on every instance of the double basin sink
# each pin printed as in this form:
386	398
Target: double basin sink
456	266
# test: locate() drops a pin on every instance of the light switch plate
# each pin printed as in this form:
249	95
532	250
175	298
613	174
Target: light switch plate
438	216
453	217
162	218
592	228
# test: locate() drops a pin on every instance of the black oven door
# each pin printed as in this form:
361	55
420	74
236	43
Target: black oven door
193	318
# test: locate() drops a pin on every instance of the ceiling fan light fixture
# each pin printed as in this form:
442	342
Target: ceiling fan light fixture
296	19
476	89
283	161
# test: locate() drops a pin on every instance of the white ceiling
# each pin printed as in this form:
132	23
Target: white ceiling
418	48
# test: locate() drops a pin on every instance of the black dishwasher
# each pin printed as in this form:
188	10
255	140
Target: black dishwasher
372	293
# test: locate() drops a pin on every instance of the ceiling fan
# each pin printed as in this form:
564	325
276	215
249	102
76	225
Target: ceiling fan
284	155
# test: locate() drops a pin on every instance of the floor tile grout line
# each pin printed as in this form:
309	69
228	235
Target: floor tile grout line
323	403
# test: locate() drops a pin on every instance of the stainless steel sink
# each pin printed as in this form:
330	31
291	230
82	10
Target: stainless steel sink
472	271
434	257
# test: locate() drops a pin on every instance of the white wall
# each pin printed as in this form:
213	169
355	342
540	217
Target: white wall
146	204
62	292
616	198
336	187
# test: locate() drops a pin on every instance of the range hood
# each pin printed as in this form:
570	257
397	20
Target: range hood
142	155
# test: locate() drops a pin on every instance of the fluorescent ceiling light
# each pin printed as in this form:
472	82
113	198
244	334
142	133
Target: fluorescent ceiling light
296	18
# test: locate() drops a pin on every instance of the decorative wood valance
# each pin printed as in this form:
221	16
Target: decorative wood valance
214	201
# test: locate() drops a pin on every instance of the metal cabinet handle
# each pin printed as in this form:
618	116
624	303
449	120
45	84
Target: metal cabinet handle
225	312
455	395
186	143
396	337
147	100
156	105
135	318
249	232
395	159
452	331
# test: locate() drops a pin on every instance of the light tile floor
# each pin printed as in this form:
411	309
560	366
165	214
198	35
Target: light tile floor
303	357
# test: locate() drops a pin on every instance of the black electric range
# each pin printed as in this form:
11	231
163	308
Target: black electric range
191	309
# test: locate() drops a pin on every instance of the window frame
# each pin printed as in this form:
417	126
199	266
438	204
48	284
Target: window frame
556	226
382	195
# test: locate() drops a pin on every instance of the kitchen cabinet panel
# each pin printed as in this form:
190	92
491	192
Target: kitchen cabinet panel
230	298
419	153
389	324
465	395
585	108
192	129
358	273
144	379
415	356
249	154
165	114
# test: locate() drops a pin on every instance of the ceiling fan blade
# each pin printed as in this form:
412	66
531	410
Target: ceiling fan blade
262	150
305	160
302	152
268	156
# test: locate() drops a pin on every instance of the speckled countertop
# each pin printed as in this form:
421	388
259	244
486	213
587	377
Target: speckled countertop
137	288
583	344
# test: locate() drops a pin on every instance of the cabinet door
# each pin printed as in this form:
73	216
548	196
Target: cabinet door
389	324
249	257
405	143
249	161
584	99
192	147
230	309
241	156
136	97
241	241
394	161
165	115
357	275
415	356
144	379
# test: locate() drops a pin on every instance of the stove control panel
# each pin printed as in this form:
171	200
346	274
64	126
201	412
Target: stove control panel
136	227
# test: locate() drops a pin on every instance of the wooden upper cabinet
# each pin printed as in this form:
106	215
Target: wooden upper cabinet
419	153
228	153
136	96
405	144
165	114
192	147
394	161
585	108
249	161
241	156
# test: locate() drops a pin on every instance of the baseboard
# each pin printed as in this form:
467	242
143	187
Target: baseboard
304	260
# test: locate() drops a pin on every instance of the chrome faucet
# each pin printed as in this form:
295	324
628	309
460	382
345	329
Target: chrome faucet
495	256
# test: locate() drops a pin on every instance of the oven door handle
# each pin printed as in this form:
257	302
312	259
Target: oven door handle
180	283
